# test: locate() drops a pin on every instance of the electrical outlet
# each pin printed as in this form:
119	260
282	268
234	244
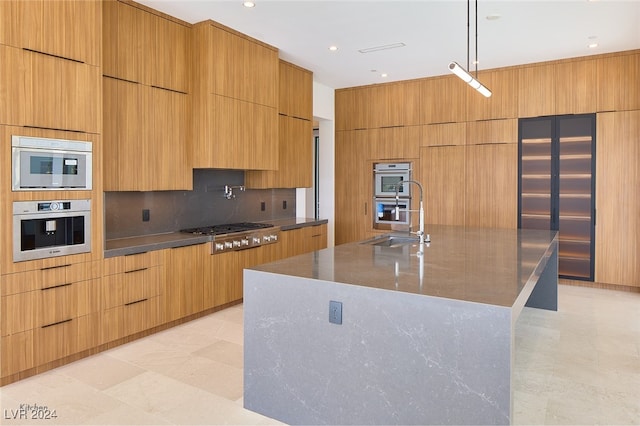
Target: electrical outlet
263	206
284	204
145	215
335	312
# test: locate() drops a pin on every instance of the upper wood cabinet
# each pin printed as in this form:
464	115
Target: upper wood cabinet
503	102
234	101
145	132
234	65
392	143
492	131
295	158
443	100
444	134
619	82
48	92
69	29
146	48
536	91
576	87
126	42
295	91
384	105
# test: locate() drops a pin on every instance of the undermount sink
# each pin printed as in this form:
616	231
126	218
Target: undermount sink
392	241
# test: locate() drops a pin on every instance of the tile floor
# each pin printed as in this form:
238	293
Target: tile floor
580	365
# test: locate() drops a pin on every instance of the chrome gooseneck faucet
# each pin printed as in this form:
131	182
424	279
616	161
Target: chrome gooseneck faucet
420	233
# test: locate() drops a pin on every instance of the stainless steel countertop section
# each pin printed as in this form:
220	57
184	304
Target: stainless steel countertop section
144	243
489	266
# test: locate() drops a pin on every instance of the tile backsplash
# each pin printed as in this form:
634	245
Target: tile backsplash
206	205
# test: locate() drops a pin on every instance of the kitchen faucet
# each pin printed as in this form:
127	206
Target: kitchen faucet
228	191
420	233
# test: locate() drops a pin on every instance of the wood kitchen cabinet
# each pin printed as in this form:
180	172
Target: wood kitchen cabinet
48	92
353	187
185	281
491	175
442	170
223	279
445	134
536	91
234	100
48	314
383	105
618	82
145	46
295	133
577	85
503	102
132	294
391	143
492	131
66	29
149	124
443	100
303	240
617	198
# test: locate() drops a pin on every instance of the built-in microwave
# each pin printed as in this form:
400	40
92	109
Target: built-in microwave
387	178
44	229
50	164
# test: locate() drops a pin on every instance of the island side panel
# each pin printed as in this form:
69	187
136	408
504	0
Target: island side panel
545	292
397	358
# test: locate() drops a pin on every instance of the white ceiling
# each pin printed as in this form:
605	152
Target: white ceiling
434	32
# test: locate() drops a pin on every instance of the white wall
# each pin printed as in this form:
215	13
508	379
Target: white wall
324	113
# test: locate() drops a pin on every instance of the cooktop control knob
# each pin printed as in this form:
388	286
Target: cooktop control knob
235	243
219	246
256	240
244	242
228	244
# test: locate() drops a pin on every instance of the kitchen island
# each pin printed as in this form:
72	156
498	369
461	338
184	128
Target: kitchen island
423	337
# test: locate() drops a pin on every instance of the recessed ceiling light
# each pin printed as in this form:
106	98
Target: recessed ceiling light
384	74
248	4
593	45
493	17
333	48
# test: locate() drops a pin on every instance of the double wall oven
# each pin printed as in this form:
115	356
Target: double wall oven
392	200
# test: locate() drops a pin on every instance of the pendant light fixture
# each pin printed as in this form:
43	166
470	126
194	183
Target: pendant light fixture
455	68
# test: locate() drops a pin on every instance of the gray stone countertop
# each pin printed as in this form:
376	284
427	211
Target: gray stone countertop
144	243
482	265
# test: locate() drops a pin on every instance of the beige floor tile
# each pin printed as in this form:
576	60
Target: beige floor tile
101	371
224	352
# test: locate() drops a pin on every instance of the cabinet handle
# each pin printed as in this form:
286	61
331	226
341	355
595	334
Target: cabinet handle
54	267
135	270
133	254
365	208
137	301
57	323
56	286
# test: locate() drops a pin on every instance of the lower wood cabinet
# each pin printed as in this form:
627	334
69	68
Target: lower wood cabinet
48	314
132	289
303	240
184	294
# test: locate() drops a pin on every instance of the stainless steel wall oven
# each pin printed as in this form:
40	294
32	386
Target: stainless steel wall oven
44	229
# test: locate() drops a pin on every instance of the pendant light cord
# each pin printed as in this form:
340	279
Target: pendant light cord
468	34
476	60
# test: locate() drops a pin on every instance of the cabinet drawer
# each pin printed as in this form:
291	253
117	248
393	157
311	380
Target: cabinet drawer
116	265
16	352
50	276
129	319
131	286
17	313
55	341
67	301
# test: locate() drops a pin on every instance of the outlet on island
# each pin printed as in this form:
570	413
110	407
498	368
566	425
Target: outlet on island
335	312
145	215
263	206
284	204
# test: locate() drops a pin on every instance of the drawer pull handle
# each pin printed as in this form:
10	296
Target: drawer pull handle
57	323
135	270
137	301
54	267
56	286
133	254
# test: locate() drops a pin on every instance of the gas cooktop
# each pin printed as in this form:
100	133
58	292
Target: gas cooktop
227	228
